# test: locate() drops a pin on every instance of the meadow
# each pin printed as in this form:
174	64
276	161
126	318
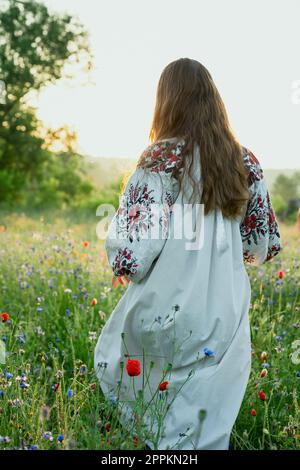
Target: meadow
56	294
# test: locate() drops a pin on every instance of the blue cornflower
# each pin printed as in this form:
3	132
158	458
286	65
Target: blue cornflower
112	398
1	393
270	301
265	365
208	352
39	309
60	437
33	447
68	312
8	375
283	333
297	374
4	339
278	338
70	393
21	339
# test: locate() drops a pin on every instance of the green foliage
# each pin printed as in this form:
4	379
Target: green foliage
35	47
47	281
287	188
279	204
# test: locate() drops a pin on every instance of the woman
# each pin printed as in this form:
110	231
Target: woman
176	351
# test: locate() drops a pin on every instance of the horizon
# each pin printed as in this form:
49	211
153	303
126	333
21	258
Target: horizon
258	81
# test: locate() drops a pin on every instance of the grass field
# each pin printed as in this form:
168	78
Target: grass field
49	395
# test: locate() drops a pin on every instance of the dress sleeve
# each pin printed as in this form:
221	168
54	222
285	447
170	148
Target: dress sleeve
259	228
139	229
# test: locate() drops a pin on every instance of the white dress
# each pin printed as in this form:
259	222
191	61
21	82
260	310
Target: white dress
184	315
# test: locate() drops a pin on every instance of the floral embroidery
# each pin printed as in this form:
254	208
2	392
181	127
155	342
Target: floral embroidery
259	224
252	165
124	262
165	156
134	214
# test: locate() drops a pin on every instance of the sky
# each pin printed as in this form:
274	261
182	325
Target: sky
250	48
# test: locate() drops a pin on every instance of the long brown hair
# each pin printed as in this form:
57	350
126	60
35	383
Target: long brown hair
189	106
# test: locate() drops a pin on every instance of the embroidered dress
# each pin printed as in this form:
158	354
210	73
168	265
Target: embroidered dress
184	315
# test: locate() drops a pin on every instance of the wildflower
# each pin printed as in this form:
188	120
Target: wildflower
92	335
59	374
265	365
85	243
47	435
1	394
263	356
107	427
119	280
5	439
281	274
263	373
297	374
39	309
262	395
93	386
21	339
68	312
102	315
163	385
70	393
68	291
33	447
82	369
253	412
133	367
208	352
278	338
55	387
8	375
112	398
94	302
4	317
60	438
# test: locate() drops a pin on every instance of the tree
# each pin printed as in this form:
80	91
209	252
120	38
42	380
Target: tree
35	48
287	187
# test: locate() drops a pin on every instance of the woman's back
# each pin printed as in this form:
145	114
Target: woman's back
188	302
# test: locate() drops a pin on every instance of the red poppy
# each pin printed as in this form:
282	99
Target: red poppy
107	427
163	386
253	412
133	367
94	302
4	317
281	274
85	243
262	395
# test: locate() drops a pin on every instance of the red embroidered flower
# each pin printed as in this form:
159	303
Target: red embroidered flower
262	395
4	317
281	274
253	412
163	385
133	367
